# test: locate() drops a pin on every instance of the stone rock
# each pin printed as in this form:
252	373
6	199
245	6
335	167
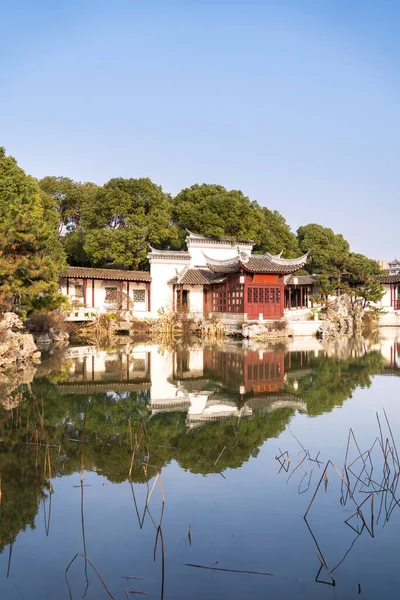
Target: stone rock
16	347
342	318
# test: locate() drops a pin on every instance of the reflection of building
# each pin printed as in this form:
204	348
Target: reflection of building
208	384
99	370
248	372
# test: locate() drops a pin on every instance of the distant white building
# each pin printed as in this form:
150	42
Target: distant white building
394	267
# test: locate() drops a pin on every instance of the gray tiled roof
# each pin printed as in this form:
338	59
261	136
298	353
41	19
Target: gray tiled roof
302	280
112	274
265	263
388	278
199	276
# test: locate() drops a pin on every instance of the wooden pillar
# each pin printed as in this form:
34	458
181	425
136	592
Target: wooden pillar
67	286
84	291
93	303
121	291
149	296
127	293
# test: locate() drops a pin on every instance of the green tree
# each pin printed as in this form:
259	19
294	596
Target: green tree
31	257
214	211
69	198
276	235
124	217
74	247
328	251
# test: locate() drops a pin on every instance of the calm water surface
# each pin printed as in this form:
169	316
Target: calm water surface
187	474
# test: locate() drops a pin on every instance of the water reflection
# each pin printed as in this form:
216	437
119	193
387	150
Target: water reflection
126	414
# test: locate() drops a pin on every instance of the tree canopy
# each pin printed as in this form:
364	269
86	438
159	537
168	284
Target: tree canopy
328	250
214	211
113	225
123	218
31	257
69	198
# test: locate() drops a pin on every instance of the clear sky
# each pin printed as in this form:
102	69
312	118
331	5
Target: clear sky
295	102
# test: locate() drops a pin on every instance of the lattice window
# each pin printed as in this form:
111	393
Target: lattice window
250	295
78	291
219	299
266	295
110	293
235	298
255	294
261	295
139	296
272	294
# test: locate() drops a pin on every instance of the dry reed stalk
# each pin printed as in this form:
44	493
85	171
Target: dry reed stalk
133	456
391	435
94	569
320	481
230	570
219	455
323	565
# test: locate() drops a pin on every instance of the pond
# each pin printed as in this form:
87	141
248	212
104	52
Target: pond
222	472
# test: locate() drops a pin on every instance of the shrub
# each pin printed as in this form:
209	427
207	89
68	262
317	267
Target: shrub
41	322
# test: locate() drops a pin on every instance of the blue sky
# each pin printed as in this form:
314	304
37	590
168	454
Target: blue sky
295	102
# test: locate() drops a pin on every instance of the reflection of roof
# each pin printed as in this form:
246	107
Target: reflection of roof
113	274
266	263
88	387
169	405
298	373
388	278
199	276
394	371
274	402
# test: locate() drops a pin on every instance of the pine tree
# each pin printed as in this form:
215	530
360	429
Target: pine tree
31	257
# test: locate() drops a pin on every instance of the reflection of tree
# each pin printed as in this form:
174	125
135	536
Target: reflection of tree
333	381
199	450
22	489
47	420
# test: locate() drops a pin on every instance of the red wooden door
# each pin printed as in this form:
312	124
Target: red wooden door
266	300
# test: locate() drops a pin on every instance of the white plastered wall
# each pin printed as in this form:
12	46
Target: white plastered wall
161	292
100	293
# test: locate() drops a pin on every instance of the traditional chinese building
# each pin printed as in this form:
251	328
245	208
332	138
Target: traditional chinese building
212	277
391	299
222	278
